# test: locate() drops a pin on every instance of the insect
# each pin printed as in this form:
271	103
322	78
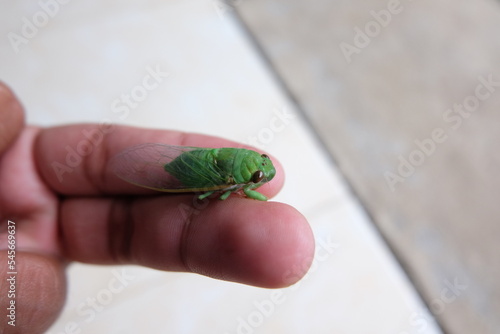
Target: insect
193	169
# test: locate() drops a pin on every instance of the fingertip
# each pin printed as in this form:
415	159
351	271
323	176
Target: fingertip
287	254
40	290
279	179
262	244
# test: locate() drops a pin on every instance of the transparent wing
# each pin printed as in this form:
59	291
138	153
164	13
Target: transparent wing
143	165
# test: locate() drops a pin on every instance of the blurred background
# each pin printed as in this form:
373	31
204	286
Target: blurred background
383	113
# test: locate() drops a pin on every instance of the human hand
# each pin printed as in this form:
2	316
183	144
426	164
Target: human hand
90	215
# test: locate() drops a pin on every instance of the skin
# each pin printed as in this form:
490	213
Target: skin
94	217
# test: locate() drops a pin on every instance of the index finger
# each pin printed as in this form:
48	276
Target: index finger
74	160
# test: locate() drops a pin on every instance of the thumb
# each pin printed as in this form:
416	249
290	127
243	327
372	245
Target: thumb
32	297
11	117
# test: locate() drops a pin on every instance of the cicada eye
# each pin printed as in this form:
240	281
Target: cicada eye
265	156
257	176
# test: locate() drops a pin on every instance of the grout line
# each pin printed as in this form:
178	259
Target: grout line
317	138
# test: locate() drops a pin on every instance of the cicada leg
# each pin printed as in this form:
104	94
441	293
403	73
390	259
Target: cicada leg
205	195
254	194
225	195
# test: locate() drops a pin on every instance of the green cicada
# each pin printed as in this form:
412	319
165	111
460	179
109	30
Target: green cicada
193	169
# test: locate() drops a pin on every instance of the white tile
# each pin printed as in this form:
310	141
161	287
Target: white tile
90	54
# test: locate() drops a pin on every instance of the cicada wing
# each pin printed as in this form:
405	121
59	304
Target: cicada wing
143	165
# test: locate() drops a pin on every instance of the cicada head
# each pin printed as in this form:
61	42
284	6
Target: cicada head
265	170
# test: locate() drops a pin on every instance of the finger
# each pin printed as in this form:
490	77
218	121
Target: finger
38	290
265	244
75	160
11	117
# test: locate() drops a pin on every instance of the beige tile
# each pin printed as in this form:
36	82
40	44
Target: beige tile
394	88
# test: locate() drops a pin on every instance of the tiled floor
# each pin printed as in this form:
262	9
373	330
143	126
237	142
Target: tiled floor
405	96
90	53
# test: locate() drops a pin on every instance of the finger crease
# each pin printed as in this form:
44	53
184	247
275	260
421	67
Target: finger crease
184	245
120	230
